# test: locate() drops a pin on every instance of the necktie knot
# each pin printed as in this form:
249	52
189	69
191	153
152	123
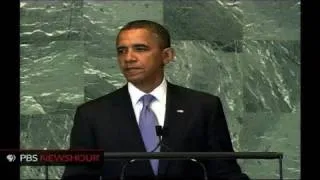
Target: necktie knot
147	99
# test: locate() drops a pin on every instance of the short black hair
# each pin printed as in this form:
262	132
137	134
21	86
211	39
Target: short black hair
152	26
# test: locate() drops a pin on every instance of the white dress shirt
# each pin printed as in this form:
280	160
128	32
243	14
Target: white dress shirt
158	106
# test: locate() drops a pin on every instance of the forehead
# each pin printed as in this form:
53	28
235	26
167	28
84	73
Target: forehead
137	36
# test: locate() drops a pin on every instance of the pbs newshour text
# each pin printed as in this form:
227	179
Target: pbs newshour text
55	157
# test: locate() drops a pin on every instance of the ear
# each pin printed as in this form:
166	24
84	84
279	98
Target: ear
167	55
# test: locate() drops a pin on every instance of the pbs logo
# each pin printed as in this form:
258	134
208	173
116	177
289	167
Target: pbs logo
11	157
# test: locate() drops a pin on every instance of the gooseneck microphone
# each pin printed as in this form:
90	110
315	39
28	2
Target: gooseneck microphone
123	170
205	174
160	131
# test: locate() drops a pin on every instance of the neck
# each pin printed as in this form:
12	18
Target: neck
149	86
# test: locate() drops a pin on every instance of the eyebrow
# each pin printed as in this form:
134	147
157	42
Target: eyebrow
139	45
134	45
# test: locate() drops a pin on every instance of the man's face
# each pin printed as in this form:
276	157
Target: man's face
140	56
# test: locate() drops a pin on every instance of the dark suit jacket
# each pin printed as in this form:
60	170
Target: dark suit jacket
109	123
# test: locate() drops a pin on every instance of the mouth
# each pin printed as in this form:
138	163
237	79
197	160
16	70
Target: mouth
132	71
131	68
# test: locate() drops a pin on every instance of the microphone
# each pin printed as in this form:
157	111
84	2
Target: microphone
124	167
205	174
160	131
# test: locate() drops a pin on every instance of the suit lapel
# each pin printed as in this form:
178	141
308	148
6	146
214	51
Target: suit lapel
127	121
172	122
130	136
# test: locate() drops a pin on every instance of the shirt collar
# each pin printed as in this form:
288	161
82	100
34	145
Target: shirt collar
159	92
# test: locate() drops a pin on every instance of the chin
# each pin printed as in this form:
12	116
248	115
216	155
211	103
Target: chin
134	80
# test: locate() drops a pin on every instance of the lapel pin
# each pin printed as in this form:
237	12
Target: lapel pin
180	111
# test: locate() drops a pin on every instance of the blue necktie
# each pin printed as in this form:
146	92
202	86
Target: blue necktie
147	123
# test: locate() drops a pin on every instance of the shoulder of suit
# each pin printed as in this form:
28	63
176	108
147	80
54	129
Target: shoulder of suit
105	99
193	93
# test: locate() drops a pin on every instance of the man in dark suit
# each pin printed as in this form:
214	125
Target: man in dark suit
193	121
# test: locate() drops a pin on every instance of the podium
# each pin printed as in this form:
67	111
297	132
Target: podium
134	156
194	157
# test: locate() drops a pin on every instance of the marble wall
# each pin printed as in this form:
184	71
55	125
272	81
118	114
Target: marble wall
245	51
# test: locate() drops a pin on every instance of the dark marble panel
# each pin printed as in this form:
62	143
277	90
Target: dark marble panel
271	75
104	49
203	20
55	172
103	19
207	67
272	132
45	130
50	21
255	126
102	74
50	131
97	87
271	20
51	76
32	172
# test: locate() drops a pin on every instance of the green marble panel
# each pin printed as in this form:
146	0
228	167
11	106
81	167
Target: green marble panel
272	75
32	172
203	20
272	132
103	19
50	21
208	67
44	131
51	76
102	76
271	20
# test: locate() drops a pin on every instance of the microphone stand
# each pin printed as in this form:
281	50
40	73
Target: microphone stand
124	168
205	174
160	132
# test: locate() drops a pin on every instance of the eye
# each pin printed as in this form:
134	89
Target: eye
120	50
141	48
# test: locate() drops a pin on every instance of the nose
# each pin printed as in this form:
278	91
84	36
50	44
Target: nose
130	56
